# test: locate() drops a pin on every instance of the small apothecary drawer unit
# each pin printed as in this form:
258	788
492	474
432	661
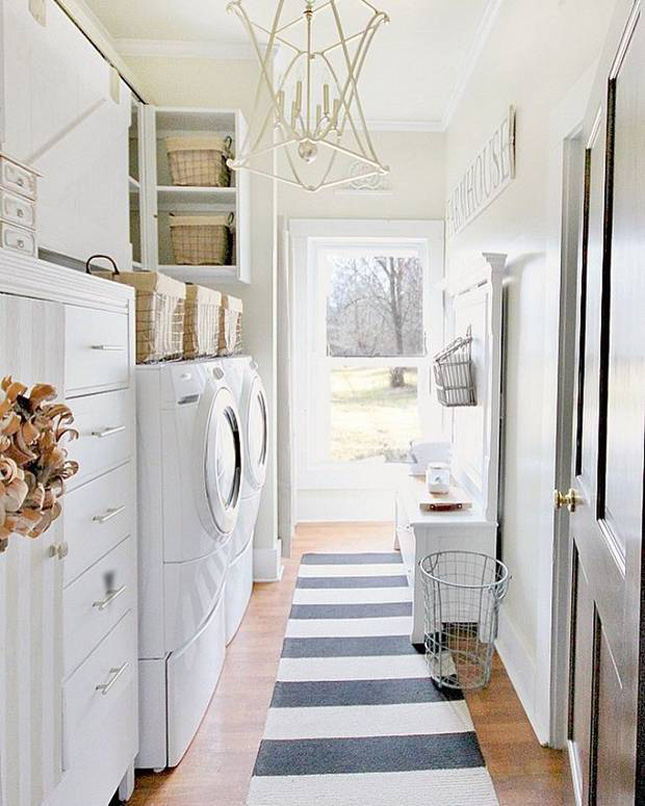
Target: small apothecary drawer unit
68	636
18	193
157	199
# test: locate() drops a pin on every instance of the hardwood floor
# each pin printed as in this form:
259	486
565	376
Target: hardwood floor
217	768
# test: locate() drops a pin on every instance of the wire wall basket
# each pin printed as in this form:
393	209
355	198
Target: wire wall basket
453	373
462	593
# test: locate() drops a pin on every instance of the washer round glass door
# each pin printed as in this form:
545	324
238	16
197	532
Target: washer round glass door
257	432
223	461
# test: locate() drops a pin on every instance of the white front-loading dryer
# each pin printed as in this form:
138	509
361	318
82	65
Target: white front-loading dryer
191	466
247	386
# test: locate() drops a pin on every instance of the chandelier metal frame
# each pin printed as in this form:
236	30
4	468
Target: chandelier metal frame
309	126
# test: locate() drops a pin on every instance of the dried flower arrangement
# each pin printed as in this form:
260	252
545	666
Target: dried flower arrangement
33	463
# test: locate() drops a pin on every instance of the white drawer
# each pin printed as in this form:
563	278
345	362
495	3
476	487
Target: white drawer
17	210
18	239
96	517
96	602
99	710
105	424
97	350
17	179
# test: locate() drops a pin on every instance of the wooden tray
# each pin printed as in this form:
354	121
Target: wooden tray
454	501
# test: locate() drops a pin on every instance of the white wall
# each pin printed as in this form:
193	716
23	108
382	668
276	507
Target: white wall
417	167
535	55
210	83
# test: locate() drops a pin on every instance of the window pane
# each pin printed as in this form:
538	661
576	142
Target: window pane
374	413
375	306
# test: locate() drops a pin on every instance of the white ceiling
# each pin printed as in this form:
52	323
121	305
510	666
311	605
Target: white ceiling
416	65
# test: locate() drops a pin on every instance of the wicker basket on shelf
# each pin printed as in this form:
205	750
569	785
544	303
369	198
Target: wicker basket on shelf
199	161
230	331
202	322
160	304
201	240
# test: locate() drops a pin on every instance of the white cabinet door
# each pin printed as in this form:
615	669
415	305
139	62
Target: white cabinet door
61	117
30	590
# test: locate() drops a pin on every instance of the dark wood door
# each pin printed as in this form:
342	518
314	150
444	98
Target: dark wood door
607	524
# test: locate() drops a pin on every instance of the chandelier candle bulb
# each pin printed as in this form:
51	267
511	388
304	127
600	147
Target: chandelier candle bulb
326	99
336	112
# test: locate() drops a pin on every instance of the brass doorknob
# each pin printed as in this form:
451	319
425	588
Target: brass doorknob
569	500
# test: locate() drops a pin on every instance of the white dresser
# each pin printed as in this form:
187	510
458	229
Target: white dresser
68	642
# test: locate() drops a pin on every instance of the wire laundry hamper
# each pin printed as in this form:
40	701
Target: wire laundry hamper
453	373
462	593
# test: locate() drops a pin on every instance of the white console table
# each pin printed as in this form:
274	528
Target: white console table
421	533
473	298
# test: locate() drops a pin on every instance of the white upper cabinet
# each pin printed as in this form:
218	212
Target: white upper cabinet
66	113
154	198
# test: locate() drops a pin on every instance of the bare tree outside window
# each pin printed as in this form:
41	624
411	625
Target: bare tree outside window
375	309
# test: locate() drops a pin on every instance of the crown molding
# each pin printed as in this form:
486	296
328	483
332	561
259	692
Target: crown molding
481	37
405	125
167	48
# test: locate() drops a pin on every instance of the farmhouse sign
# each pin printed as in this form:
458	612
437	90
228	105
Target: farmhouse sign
487	176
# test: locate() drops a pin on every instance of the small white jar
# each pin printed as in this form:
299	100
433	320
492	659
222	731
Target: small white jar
438	478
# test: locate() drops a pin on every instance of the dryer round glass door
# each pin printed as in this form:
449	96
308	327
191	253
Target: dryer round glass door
257	433
223	461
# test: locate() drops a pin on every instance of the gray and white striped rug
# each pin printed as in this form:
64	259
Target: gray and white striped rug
355	719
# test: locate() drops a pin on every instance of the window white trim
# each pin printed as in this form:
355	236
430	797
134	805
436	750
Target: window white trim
307	237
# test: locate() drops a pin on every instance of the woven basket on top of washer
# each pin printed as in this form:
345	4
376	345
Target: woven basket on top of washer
230	331
201	240
159	310
202	322
199	161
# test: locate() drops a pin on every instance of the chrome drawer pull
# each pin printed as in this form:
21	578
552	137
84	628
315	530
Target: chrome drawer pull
107	516
111	596
109	348
108	432
115	674
59	550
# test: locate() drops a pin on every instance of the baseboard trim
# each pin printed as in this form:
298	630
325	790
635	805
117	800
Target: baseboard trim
520	668
267	564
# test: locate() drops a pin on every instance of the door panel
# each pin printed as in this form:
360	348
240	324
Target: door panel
606	752
607	521
590	316
581	678
626	378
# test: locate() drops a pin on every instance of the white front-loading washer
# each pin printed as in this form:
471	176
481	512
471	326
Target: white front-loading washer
247	386
191	466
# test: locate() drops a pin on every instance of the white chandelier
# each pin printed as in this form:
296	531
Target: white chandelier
312	131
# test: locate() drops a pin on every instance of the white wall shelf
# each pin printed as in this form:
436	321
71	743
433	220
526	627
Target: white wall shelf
202	275
174	194
158	197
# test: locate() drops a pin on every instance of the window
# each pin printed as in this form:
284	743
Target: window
364	304
369	343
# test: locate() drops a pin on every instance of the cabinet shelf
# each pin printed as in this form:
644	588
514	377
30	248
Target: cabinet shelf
204	275
172	120
177	194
